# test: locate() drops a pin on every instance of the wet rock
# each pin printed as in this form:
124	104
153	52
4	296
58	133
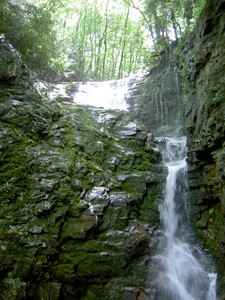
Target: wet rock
77	228
160	106
129	129
141	138
36	230
134	184
133	293
204	118
98	196
10	61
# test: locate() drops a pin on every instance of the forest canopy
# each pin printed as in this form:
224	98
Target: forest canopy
94	39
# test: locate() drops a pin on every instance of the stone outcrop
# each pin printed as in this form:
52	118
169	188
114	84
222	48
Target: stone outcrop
77	188
204	65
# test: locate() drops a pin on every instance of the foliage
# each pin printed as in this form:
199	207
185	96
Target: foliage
167	20
93	39
30	30
102	40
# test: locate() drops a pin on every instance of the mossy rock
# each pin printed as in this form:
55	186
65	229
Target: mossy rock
55	236
90	296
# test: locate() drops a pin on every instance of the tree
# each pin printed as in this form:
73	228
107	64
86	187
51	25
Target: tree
94	39
31	30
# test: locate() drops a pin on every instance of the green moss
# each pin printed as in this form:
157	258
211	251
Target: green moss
217	226
98	267
149	207
65	192
212	222
90	296
42	183
144	162
92	246
64	272
71	258
135	184
15	163
114	288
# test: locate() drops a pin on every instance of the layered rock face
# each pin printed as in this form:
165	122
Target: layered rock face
204	63
77	189
202	104
156	99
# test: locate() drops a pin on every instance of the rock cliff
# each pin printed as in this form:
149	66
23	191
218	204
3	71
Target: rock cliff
77	188
204	66
196	98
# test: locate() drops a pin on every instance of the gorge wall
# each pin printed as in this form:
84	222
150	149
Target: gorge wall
204	113
199	59
156	99
77	190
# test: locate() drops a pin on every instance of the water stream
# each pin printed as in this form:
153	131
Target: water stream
182	266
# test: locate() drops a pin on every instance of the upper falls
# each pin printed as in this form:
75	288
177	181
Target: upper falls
111	94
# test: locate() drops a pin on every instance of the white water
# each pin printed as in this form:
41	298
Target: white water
110	94
182	275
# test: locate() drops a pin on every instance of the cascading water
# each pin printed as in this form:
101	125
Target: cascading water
111	95
182	276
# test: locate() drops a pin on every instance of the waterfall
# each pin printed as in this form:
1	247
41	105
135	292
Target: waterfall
109	94
180	269
182	275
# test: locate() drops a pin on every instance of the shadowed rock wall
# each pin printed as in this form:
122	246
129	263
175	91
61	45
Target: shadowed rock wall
200	60
156	99
204	66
